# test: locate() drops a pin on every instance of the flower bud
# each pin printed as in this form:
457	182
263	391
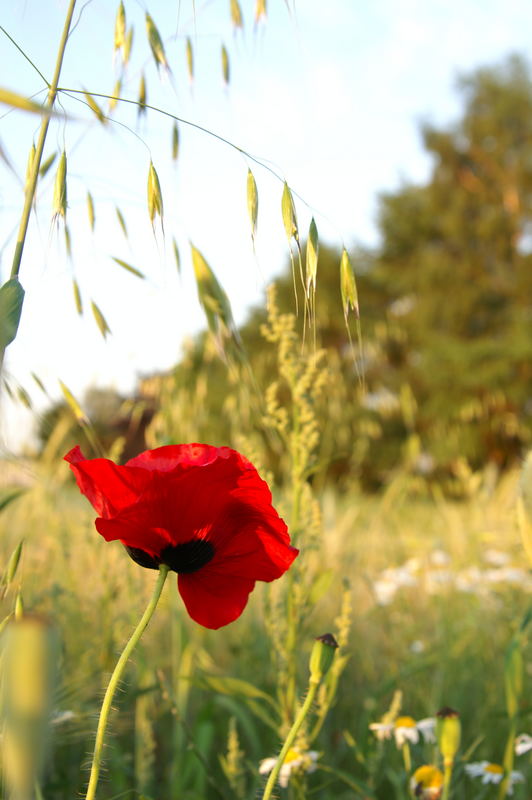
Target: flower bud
448	729
322	656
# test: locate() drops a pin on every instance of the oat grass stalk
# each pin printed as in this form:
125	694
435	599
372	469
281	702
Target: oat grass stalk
33	175
115	680
36	155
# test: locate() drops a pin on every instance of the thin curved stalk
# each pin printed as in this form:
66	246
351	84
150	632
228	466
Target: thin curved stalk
115	680
290	739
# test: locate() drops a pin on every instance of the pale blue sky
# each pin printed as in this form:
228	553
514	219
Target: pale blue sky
331	96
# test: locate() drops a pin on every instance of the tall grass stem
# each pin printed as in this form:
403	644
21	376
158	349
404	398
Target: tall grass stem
36	163
31	187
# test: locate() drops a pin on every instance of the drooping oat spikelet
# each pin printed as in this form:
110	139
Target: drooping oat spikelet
348	286
77	297
120	28
60	189
68	242
117	89
46	164
90	210
225	66
253	203
190	59
101	322
175	141
121	221
289	214
155	198
156	45
176	255
142	97
260	11
236	14
311	261
94	107
73	404
212	297
129	268
128	45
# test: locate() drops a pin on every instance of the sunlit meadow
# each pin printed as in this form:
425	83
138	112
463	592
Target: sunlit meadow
389	659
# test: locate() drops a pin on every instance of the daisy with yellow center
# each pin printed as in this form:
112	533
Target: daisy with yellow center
295	761
405	729
493	773
427	783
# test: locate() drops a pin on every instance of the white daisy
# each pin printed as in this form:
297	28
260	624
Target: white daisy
295	761
405	729
493	773
523	744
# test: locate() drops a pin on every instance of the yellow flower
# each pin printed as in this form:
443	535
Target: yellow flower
427	783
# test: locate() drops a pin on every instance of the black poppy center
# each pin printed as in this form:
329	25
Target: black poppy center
182	558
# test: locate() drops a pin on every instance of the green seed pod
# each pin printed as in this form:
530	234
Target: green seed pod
322	656
448	730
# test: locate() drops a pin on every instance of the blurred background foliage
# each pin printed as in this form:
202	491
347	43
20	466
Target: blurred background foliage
446	310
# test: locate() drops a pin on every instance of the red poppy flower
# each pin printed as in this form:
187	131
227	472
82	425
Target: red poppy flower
202	510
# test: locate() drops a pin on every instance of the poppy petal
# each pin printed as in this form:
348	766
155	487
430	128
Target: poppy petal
169	457
214	600
108	486
252	542
151	540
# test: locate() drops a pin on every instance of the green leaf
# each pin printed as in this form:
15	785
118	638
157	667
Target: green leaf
11	299
8	495
235	687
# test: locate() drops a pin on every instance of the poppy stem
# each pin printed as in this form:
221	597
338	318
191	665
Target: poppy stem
289	741
115	679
